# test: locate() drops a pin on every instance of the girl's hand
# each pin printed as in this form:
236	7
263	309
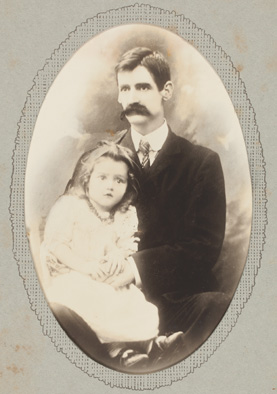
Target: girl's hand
116	262
98	270
124	278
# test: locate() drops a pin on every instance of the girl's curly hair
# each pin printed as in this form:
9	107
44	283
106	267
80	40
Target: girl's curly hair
78	184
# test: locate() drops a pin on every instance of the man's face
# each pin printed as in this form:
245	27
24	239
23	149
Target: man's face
141	99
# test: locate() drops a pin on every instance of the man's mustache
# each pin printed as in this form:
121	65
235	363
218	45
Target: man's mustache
134	108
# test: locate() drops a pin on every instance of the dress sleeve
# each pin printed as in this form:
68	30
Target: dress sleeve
126	228
58	230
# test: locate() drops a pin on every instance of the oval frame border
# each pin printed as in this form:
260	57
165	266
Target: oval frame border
235	87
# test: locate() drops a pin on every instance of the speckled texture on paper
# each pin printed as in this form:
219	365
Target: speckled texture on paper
235	87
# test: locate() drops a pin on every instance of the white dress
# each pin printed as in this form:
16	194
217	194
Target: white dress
113	314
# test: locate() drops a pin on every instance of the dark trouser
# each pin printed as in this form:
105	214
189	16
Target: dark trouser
196	315
80	333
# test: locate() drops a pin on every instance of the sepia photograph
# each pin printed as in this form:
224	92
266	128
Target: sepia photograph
138	199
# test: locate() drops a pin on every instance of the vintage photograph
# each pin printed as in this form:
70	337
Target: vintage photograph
138	199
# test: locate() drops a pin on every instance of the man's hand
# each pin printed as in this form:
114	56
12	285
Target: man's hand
124	278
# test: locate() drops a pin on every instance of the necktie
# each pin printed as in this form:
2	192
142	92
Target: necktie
144	148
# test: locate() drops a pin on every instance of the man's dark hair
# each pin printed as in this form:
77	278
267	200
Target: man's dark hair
153	61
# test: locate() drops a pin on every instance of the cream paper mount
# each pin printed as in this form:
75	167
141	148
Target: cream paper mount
222	64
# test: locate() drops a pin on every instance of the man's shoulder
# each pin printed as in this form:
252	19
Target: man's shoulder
190	149
119	135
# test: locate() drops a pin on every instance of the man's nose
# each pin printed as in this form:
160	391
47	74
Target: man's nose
134	98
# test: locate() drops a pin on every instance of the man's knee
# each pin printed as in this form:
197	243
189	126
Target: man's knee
213	301
202	310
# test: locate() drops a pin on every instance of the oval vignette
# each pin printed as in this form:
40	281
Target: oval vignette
81	108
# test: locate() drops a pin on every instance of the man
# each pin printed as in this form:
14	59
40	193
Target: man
181	205
181	211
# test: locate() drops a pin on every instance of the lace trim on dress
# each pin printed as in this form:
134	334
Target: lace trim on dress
108	218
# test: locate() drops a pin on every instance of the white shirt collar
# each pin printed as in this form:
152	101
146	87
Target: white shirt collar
156	138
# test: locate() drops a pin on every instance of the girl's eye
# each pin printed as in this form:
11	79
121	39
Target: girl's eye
119	180
102	177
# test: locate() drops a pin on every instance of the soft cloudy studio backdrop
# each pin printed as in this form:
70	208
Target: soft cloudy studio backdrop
81	108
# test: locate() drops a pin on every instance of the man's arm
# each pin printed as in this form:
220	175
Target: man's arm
195	250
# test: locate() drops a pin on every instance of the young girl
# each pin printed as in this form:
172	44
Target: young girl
89	235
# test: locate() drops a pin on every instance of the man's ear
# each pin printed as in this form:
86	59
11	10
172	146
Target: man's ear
167	91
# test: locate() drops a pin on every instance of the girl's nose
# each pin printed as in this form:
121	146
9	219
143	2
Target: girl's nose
109	184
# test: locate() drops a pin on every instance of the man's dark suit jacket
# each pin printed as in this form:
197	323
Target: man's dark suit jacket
181	209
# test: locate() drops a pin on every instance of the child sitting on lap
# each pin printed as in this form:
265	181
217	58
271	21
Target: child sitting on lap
89	235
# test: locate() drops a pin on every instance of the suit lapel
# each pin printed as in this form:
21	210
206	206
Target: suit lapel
167	156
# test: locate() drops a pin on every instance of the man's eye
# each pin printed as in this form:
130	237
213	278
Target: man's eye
144	87
102	177
124	89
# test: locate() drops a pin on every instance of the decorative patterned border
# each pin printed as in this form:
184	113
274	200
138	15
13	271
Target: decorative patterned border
138	13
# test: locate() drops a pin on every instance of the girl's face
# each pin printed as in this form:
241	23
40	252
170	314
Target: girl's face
108	183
